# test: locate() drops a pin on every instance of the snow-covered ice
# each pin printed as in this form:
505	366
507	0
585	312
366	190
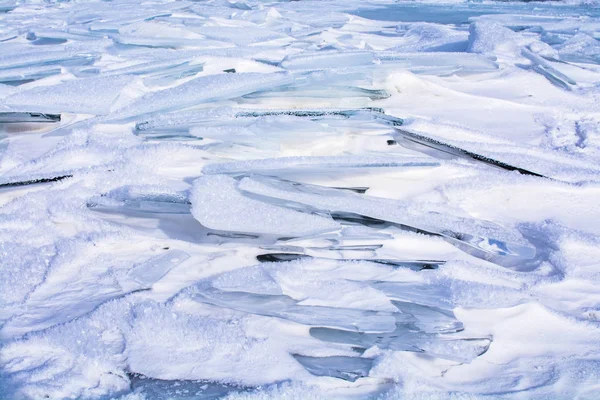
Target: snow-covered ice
262	199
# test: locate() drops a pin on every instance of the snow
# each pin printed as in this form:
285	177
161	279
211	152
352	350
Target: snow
228	207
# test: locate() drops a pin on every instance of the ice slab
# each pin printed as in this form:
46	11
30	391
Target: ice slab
44	309
489	241
356	115
263	128
202	90
157	34
438	63
544	67
327	59
346	368
284	307
581	47
27	117
426	37
18	76
416	265
183	120
217	204
51	57
442	150
456	14
159	389
405	338
7	5
146	274
142	200
321	91
430	319
86	96
437	296
251	34
160	73
273	165
34	181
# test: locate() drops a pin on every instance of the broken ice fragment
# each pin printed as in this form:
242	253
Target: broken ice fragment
342	367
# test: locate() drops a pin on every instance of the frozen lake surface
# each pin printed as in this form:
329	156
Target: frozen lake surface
307	199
